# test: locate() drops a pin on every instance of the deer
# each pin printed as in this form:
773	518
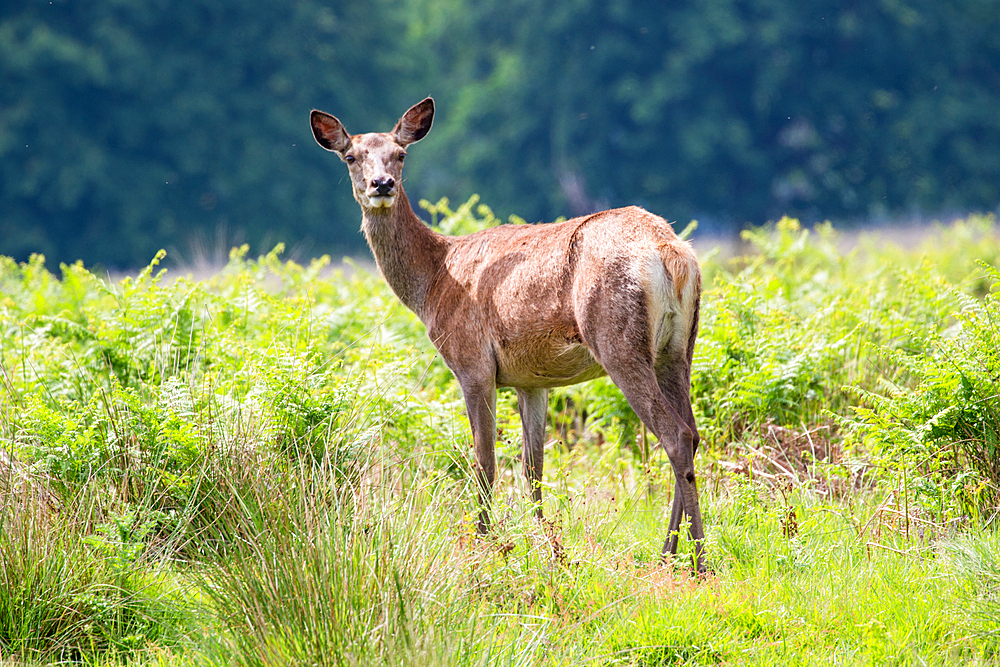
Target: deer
537	306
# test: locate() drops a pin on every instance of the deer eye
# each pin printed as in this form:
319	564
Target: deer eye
349	159
402	156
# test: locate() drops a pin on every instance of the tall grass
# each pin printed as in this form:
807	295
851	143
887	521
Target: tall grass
68	591
317	576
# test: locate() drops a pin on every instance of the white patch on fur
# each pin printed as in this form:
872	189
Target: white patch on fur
381	201
686	306
660	301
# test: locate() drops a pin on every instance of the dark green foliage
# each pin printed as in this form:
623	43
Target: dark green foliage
127	127
727	110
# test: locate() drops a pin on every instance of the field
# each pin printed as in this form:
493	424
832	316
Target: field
270	466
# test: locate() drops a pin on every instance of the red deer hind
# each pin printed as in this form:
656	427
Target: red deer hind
539	306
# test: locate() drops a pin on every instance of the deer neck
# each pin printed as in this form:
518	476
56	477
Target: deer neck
408	252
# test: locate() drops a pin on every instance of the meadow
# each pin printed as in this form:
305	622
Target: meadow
270	466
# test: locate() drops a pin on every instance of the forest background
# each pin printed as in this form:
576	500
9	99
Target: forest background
126	127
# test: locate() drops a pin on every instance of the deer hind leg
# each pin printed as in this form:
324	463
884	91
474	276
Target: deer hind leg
615	322
533	404
673	528
673	377
481	405
675	431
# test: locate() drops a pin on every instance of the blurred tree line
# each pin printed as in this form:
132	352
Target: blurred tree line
131	125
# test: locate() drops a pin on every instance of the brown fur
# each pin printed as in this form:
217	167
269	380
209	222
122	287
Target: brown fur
539	306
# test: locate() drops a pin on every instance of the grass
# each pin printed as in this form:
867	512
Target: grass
270	466
68	593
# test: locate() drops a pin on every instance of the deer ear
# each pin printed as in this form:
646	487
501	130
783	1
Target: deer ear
415	123
329	132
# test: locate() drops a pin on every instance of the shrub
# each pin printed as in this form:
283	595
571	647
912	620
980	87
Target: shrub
945	427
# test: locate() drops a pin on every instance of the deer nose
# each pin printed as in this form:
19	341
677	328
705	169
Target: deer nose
383	186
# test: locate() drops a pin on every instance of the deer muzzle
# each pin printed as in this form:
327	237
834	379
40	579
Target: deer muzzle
381	192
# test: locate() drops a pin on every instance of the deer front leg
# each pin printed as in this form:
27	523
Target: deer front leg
481	405
533	404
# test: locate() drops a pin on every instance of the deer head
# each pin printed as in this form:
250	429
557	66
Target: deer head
374	160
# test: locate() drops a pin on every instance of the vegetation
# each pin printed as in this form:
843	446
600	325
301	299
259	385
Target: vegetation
127	127
270	466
